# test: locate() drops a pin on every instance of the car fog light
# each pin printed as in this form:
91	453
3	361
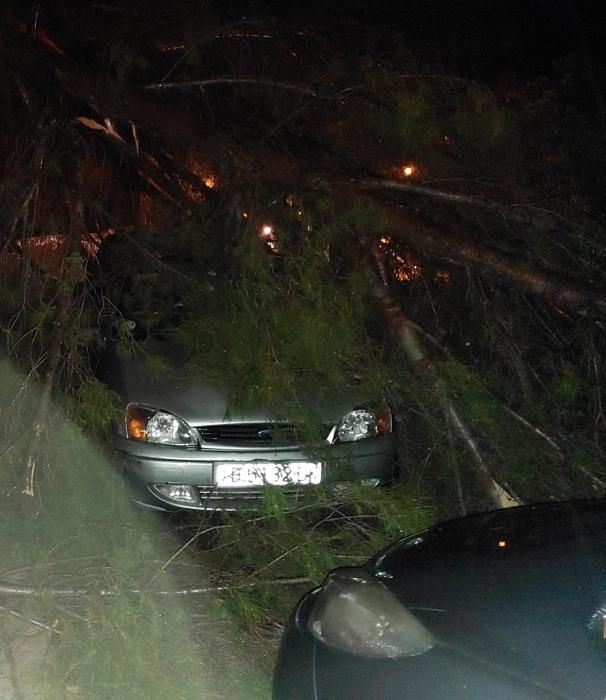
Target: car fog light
178	492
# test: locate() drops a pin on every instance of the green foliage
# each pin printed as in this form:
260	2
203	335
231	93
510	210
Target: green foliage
521	452
277	544
156	365
566	386
490	130
471	390
417	118
81	532
289	325
94	408
73	271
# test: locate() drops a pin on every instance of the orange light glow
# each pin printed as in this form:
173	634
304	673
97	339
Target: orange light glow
146	212
442	276
502	544
408	170
267	231
403	170
136	428
202	169
406	268
385	240
245	215
384	423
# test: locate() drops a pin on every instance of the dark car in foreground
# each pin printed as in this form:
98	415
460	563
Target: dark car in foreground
505	605
181	445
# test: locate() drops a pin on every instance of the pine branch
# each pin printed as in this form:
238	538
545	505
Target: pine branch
64	303
379	184
27	591
557	290
211	82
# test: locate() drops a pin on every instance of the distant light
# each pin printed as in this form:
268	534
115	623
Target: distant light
442	276
210	181
502	544
268	234
405	266
408	170
385	240
245	215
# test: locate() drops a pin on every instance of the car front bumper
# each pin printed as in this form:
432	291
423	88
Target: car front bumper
146	465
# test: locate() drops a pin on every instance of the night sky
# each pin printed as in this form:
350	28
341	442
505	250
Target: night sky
477	38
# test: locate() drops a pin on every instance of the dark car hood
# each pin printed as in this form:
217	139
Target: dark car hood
521	589
190	396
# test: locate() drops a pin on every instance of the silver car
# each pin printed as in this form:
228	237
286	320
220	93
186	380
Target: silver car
181	446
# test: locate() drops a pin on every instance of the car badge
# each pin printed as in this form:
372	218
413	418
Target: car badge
264	434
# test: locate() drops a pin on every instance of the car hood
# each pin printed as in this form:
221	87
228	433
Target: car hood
518	590
190	396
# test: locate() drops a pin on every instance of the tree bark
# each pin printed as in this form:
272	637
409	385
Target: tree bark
65	303
557	290
411	343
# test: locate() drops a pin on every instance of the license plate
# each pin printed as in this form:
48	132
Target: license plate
273	473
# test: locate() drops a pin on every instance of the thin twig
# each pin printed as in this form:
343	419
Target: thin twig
155	260
275	561
457	471
70	613
231	81
181	549
592	477
377	183
412	76
10	589
536	430
31	620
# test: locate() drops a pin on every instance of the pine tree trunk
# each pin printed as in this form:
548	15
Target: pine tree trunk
412	345
65	306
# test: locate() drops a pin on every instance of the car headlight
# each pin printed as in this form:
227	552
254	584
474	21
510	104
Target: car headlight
148	424
355	613
364	423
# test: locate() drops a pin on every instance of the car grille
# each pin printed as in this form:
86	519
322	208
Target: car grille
213	498
250	433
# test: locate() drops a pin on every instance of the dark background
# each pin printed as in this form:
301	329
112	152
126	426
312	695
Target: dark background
479	38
